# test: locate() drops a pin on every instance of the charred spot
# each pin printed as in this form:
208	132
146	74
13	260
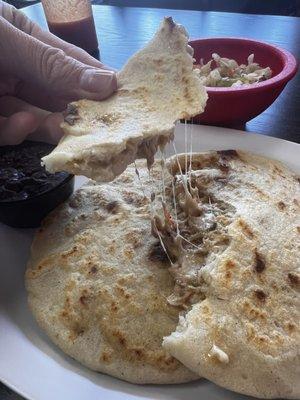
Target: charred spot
228	275
72	109
138	353
281	205
278	171
157	254
223	166
70	252
246	229
228	153
112	207
293	279
229	264
122	341
114	307
105	357
83	300
93	270
260	295
129	199
291	327
120	337
259	263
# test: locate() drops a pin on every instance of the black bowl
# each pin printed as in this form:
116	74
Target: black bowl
29	212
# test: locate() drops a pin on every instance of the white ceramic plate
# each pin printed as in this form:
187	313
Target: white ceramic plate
32	366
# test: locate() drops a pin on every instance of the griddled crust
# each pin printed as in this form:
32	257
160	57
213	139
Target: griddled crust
97	283
251	310
156	88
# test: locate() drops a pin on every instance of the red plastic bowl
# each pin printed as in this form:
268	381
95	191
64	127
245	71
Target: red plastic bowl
237	105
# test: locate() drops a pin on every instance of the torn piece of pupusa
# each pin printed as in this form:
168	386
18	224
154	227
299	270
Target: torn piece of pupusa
156	88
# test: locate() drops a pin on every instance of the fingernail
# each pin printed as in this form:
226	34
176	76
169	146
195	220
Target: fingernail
96	80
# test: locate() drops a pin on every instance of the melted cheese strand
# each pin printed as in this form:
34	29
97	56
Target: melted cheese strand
139	178
191	152
185	148
175	208
180	170
192	244
163	170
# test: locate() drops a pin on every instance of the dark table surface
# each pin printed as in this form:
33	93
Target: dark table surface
124	30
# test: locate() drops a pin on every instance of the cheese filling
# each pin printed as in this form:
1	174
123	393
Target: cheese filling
190	223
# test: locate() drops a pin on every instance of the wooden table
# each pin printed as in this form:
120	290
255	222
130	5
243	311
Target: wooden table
124	30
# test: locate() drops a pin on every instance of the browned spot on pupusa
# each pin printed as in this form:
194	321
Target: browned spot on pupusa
114	307
93	270
105	357
229	264
259	263
260	295
293	279
157	254
228	153
246	229
112	207
257	190
70	252
290	327
225	156
83	300
253	312
128	253
71	114
298	229
223	166
138	352
120	337
278	171
281	205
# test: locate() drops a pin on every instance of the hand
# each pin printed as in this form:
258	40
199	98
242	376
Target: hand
39	75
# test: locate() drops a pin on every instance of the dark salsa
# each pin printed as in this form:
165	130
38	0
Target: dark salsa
21	174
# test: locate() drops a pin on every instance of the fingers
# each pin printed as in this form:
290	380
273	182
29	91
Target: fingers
50	70
22	22
69	49
24	121
14	129
49	130
10	105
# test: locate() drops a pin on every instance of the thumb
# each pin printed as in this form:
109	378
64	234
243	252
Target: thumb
49	69
100	83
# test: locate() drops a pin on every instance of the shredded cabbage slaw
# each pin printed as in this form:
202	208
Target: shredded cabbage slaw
228	73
